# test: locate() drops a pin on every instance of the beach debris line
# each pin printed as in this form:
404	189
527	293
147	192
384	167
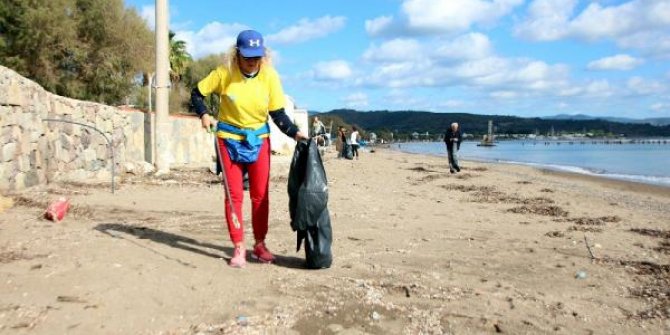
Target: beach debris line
555	233
592	225
489	194
600	221
540	210
420	169
664	245
72	299
655	280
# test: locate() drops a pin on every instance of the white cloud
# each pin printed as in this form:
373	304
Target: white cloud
633	24
632	88
597	22
599	88
379	25
438	16
468	46
504	94
400	74
307	29
216	37
464	47
148	13
332	71
641	86
547	20
493	74
400	49
660	107
452	103
654	43
404	99
213	38
482	68
356	100
617	62
520	74
570	91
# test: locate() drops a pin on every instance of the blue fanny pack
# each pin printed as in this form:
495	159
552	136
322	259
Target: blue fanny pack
246	150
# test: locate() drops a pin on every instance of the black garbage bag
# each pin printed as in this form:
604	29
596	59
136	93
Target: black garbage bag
308	200
348	151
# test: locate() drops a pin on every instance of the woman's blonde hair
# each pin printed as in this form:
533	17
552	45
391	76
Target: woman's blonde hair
230	58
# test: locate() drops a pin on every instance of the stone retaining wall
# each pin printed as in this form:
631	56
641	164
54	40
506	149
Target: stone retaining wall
34	151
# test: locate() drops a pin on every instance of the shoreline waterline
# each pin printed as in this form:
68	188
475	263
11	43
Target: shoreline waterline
659	181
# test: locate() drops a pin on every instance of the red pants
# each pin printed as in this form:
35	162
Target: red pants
259	178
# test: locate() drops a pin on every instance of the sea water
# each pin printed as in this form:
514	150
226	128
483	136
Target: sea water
640	162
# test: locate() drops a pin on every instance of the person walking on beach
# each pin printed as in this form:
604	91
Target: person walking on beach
250	92
319	131
354	141
318	128
453	138
341	142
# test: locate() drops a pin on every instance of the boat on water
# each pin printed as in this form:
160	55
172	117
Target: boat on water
487	141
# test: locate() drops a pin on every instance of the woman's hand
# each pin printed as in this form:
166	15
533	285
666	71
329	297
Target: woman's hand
300	136
206	122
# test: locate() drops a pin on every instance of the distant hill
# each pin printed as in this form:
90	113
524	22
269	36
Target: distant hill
659	121
407	122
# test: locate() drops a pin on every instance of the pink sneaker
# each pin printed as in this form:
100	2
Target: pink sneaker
262	253
239	259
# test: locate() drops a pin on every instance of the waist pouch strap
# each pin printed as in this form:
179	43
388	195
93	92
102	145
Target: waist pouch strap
246	150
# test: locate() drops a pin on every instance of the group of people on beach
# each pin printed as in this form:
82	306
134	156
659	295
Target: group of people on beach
252	94
347	145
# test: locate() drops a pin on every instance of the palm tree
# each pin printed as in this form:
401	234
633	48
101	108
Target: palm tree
179	58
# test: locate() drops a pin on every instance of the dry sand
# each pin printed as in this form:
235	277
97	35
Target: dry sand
496	248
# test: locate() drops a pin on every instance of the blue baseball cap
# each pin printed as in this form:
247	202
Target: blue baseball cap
250	43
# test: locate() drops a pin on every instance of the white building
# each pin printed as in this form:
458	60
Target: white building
281	143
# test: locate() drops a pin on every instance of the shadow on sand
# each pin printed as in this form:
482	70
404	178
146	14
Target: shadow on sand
184	243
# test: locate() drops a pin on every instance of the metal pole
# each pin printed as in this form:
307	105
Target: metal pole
150	88
162	88
152	121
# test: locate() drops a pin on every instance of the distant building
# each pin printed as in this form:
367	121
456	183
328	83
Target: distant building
373	138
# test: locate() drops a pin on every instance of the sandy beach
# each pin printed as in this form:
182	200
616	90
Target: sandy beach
497	248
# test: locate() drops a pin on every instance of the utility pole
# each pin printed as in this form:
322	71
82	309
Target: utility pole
162	88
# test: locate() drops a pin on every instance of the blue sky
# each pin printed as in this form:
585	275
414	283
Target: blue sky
508	57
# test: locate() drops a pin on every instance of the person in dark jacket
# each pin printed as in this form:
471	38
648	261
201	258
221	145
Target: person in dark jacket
453	138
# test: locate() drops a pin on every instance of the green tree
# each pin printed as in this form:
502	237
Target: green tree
199	69
84	49
179	58
39	41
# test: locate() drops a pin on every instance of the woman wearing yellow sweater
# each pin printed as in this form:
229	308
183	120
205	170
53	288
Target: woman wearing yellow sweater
250	91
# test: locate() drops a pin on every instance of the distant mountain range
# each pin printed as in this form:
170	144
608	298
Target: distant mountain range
657	121
408	122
